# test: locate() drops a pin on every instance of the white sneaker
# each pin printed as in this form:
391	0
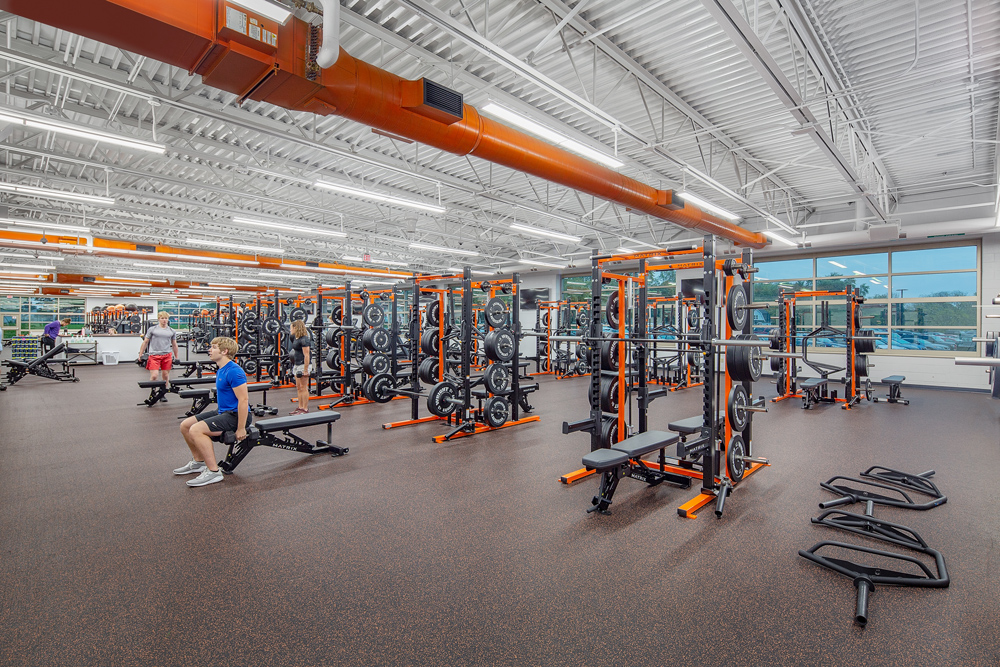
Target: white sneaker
190	467
206	477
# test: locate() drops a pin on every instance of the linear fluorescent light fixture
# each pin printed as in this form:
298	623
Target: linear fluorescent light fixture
437	248
14	255
23	273
234	246
265	8
544	232
858	273
287	227
150	275
41	225
46	193
708	206
367	194
532	262
477	272
27	266
837	264
82	132
778	237
552	136
170	265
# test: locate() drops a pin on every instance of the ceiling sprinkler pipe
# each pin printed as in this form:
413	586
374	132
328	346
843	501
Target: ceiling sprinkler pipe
329	52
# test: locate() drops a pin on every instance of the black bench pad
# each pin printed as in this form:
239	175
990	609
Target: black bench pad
690	425
152	384
893	379
813	382
193	382
297	421
644	443
194	393
602	459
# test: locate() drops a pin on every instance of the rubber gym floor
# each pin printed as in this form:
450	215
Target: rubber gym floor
407	552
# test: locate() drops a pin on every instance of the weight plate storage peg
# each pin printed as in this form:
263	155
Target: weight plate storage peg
612	310
736	311
379	388
497	378
375	363
736	408
735	464
427	371
496	411
499	345
433	314
442	399
373	315
609	355
496	312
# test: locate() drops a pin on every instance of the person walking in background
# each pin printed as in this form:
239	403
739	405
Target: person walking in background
51	332
301	346
162	343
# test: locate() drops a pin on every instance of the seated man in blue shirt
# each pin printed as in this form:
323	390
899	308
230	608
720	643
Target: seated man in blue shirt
233	415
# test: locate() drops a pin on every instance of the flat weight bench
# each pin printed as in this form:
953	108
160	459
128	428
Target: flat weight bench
813	387
18	370
623	460
688	427
264	434
895	393
158	388
202	398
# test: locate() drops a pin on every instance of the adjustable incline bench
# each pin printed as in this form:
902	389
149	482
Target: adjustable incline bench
688	427
158	388
202	398
38	366
264	434
895	393
815	390
196	367
623	460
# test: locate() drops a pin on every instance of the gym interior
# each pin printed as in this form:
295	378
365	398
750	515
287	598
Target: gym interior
568	333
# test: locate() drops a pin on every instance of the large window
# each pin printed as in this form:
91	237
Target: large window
923	299
28	315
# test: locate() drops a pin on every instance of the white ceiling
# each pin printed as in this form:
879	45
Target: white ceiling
832	115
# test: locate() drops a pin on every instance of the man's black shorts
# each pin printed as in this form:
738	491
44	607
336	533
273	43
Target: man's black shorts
220	422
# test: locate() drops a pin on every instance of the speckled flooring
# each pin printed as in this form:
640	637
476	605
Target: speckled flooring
407	552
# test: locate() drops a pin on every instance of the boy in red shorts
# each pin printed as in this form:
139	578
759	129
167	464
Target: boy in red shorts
161	341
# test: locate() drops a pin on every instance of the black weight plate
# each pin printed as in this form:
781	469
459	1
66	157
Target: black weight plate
609	432
134	327
545	319
865	343
583	367
496	411
736	312
583	319
499	345
250	348
735	465
743	363
333	337
496	312
609	394
581	350
333	359
485	286
775	364
782	384
373	315
507	288
868	388
366	339
379	388
429	341
375	363
774	339
427	371
609	355
736	412
546	364
380	340
297	314
497	378
135	319
860	366
693	317
440	399
433	314
272	326
250	366
611	308
337	314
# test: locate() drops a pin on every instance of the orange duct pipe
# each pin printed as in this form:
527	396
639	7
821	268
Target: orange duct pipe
258	59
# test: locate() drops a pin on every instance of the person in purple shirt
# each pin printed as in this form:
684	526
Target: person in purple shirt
51	333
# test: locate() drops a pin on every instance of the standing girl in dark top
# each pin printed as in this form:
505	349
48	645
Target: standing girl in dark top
301	346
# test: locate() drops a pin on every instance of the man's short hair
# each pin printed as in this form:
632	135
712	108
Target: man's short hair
227	346
163	313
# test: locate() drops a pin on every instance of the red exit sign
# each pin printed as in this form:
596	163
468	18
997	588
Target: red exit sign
366	257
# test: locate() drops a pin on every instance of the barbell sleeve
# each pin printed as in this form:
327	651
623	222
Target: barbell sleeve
976	361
